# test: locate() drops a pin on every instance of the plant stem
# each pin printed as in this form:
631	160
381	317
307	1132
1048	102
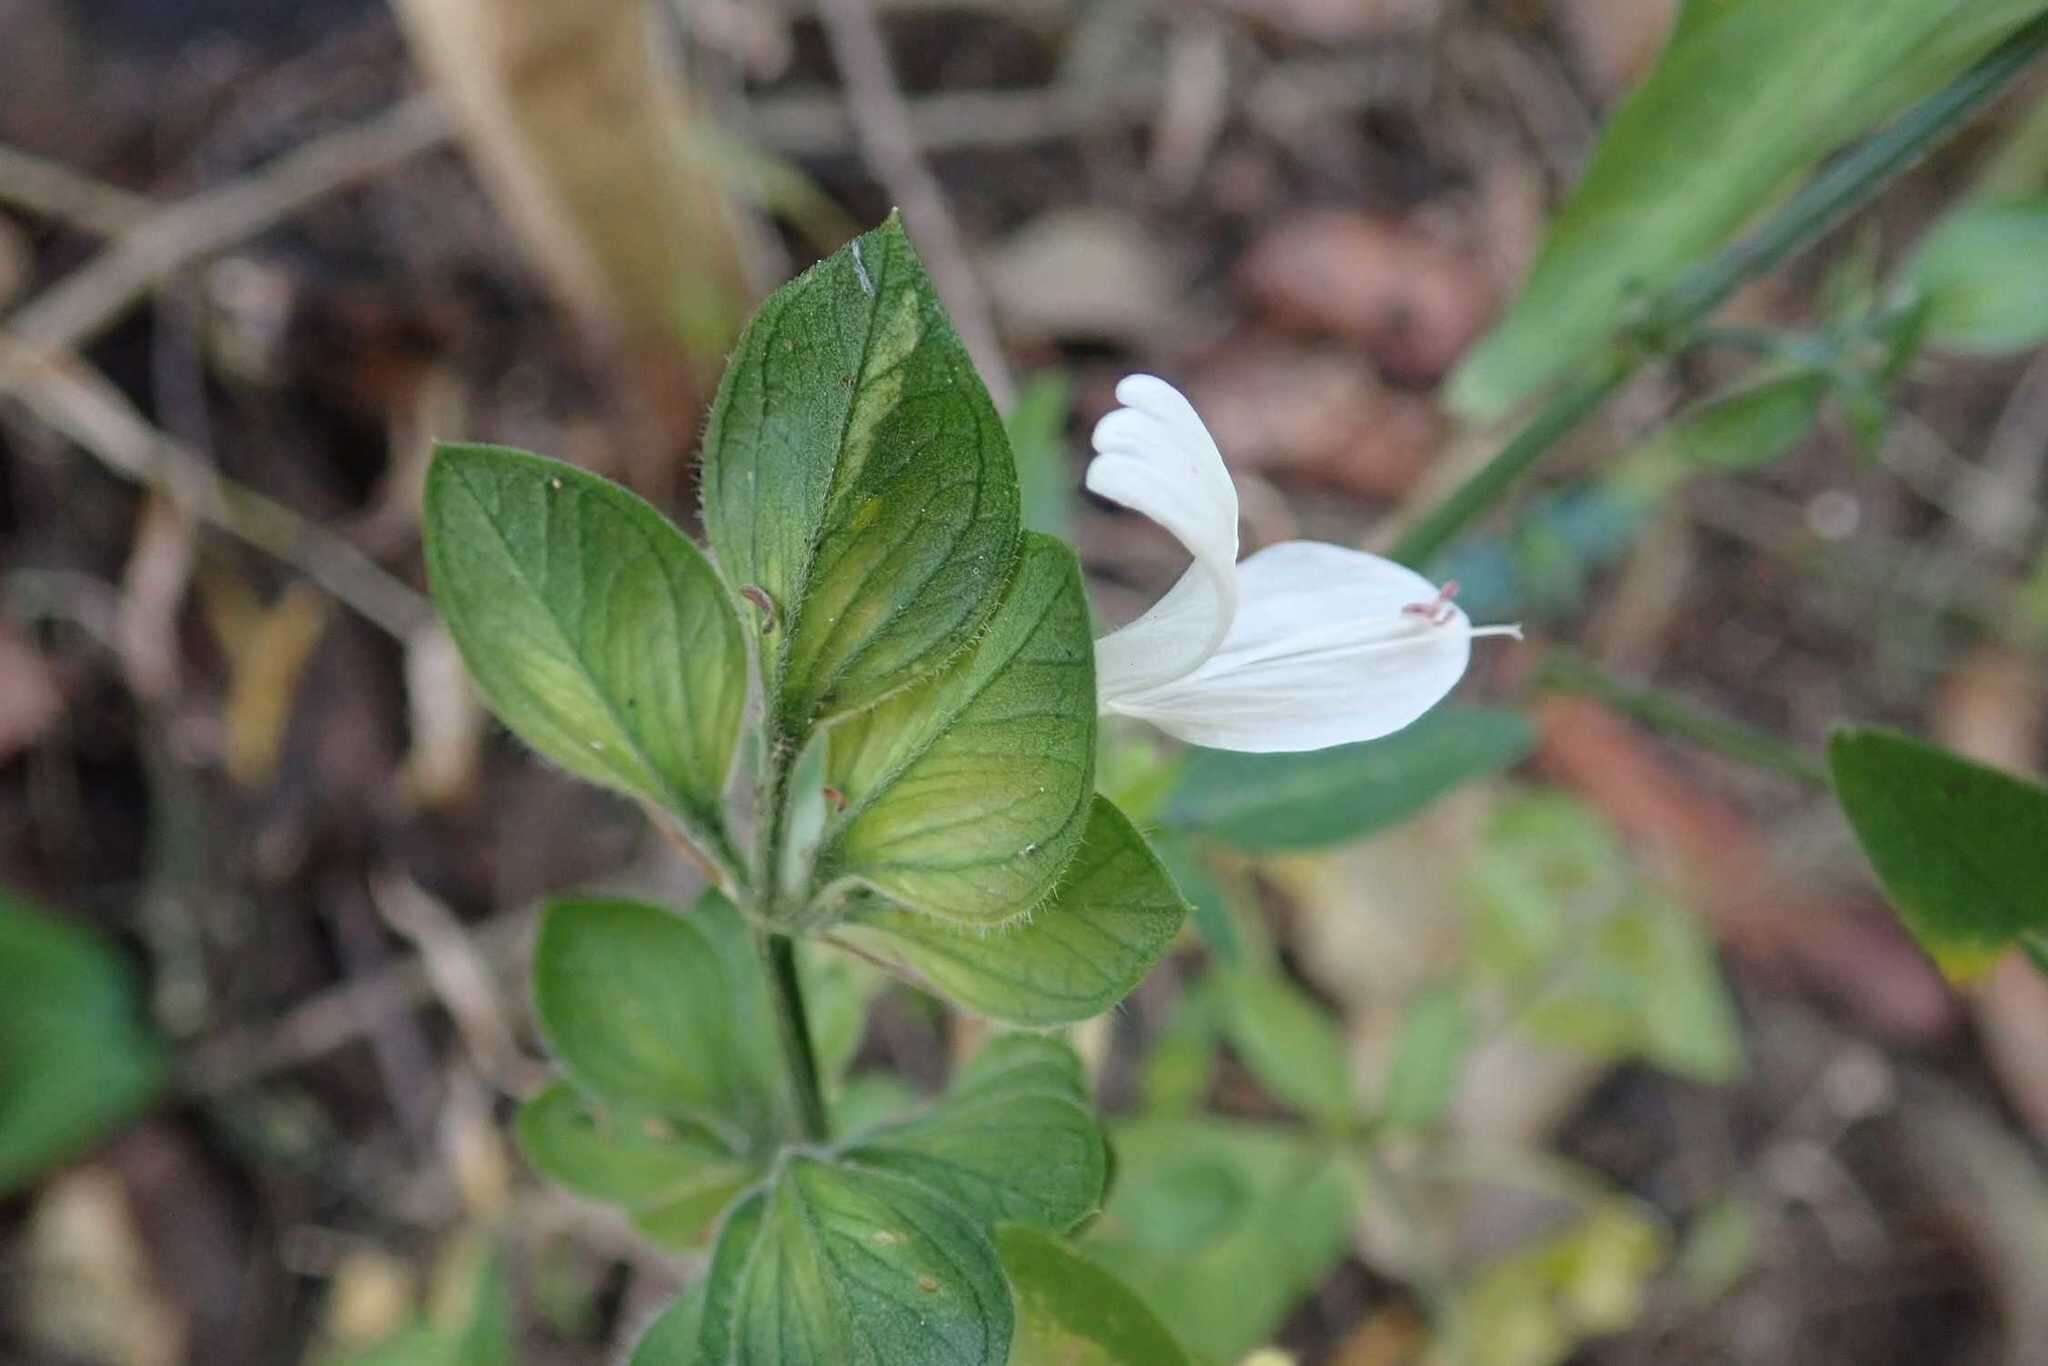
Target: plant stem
1473	497
1667	322
1565	671
786	999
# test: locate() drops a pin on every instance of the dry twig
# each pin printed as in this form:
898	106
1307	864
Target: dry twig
338	1016
75	399
73	311
44	187
889	142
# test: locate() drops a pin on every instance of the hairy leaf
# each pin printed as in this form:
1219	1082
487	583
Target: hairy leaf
966	795
1014	1141
1112	916
856	473
859	1267
675	1179
593	627
1071	1312
661	1014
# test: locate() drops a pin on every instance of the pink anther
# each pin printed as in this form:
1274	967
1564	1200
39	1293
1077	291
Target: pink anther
1438	609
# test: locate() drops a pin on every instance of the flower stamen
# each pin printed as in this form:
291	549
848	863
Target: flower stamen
1437	611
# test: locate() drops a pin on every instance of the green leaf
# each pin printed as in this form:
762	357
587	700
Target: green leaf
675	1179
593	627
1962	850
859	1267
1609	964
1291	1044
1264	803
1222	1227
1071	1312
1537	1305
1436	1033
671	1340
856	473
1015	1141
967	794
488	1336
1112	916
1023	1062
1037	428
1984	273
1750	427
661	1014
76	1059
1758	90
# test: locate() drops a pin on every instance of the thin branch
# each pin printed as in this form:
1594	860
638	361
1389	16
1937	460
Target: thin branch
1661	711
76	400
81	306
889	143
54	191
338	1016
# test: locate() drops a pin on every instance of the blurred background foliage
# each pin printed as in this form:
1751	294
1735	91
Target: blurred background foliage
1568	1025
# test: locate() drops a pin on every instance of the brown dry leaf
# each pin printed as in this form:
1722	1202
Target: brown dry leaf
1730	872
1618	39
1412	302
371	1298
1092	274
268	650
579	124
1336	21
87	1294
1317	413
1394	1336
30	700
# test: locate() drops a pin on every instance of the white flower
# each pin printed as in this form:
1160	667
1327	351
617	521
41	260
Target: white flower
1302	646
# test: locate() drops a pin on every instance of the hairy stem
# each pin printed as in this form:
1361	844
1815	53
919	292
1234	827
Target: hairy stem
792	1027
1668	321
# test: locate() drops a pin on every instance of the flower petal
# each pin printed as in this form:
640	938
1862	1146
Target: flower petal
1154	456
1321	653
